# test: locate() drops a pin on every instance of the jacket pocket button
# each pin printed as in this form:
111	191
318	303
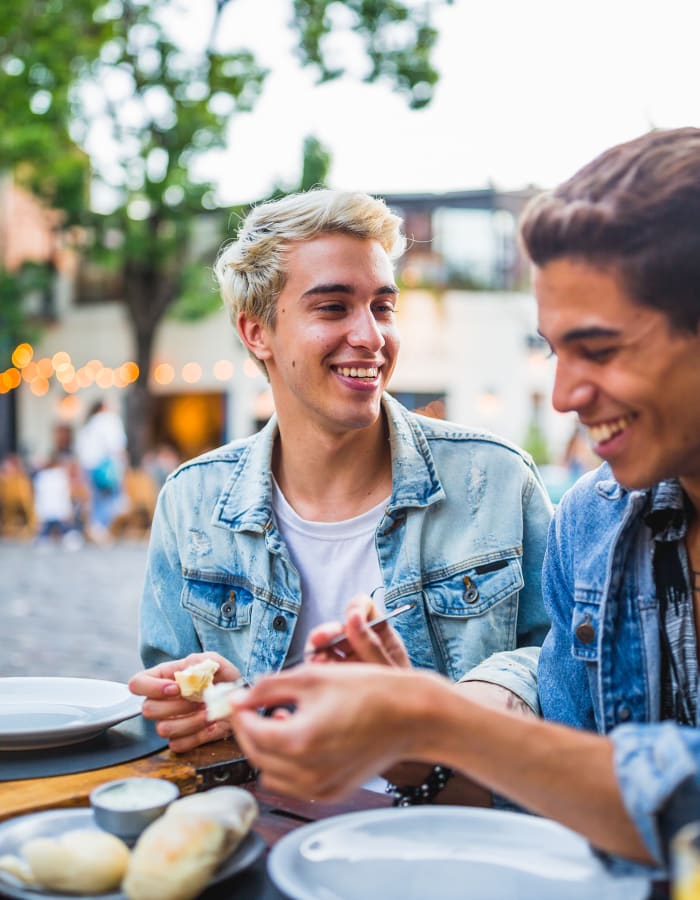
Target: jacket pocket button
279	623
471	594
585	632
228	607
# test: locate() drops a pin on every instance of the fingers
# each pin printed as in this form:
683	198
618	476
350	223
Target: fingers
270	691
321	634
210	731
158	682
155	686
364	605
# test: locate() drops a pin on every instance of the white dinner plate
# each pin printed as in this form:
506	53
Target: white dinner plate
54	822
444	853
54	712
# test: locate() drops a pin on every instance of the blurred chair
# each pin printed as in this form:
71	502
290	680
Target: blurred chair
140	494
17	518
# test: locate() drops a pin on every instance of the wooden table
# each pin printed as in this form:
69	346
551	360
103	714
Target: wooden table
213	764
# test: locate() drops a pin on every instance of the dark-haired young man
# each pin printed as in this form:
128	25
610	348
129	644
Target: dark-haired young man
616	251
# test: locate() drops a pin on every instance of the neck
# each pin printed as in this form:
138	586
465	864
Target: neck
329	478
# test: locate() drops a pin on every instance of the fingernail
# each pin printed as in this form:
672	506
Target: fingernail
171	690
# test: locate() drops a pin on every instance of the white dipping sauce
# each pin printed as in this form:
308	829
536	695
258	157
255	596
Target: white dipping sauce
135	795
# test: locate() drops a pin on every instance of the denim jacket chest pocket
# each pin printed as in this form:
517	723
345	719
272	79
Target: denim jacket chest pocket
475	589
585	623
474	612
216	599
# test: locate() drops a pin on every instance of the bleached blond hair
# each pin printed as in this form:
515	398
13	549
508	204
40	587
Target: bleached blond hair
250	270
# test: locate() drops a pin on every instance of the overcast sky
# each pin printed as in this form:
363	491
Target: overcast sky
530	90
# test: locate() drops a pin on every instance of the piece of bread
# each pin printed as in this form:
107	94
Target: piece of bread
17	867
84	861
176	855
195	679
216	698
232	807
174	859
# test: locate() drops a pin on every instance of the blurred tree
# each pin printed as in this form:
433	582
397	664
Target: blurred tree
109	77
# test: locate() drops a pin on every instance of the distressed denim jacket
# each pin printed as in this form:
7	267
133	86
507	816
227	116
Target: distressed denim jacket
462	535
600	664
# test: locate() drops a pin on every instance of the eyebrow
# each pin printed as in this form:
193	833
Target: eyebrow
585	334
339	288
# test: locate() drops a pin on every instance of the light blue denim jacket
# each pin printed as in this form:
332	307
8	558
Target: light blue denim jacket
598	573
463	535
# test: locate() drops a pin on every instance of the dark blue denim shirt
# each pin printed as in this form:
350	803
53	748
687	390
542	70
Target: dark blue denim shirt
599	666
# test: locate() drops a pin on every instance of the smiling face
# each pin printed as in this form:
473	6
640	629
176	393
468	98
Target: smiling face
335	342
632	379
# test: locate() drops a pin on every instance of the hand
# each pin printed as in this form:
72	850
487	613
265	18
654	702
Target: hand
381	645
349	722
183	722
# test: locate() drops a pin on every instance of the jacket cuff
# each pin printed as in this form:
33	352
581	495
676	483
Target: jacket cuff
515	670
651	762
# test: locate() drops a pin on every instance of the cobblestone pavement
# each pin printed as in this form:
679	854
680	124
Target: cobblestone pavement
70	613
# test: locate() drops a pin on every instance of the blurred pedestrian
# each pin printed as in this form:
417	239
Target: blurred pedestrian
53	504
101	449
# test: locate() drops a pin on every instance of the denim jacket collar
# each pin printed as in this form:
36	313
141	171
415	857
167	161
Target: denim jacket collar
245	504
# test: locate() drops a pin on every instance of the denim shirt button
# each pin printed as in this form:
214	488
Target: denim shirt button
623	713
585	632
471	594
279	623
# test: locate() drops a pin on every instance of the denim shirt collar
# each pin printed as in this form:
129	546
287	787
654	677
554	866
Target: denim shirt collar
245	504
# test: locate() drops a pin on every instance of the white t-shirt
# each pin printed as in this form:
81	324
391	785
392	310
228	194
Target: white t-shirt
52	500
335	561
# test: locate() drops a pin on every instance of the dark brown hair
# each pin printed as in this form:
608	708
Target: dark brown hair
636	210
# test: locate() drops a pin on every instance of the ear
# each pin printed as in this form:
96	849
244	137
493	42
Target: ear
254	335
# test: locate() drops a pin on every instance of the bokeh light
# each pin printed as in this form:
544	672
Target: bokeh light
163	373
22	354
191	372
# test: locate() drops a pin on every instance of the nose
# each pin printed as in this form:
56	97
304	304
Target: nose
365	332
571	391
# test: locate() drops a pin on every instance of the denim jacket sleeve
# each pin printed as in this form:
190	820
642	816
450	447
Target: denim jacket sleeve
658	770
166	629
516	669
562	678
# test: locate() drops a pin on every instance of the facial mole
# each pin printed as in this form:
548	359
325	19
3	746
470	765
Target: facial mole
294	363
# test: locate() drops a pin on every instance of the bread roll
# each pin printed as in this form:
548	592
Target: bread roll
174	859
232	807
177	855
84	861
195	679
17	867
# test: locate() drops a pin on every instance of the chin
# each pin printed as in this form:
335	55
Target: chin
637	481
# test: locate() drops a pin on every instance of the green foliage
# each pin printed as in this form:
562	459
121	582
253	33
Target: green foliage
199	296
108	118
14	327
43	48
396	36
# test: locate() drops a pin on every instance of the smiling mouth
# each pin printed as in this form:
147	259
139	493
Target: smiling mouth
369	372
605	431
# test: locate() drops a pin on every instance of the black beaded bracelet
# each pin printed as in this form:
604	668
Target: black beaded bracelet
415	795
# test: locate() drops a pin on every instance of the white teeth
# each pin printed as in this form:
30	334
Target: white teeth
606	430
358	372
